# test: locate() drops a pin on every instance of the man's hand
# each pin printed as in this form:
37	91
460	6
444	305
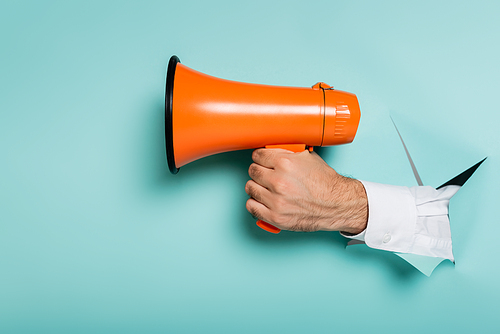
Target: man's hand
300	192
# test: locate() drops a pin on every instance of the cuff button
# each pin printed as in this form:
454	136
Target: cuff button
387	238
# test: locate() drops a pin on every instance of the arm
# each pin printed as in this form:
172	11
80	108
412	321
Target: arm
300	192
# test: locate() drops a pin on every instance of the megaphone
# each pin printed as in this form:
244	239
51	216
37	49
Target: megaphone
205	115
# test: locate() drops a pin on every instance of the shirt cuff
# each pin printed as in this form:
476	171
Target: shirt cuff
408	220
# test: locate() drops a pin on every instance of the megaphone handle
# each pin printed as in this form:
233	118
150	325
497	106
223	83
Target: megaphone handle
294	148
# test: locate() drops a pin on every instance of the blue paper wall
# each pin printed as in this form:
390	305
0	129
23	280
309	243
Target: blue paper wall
97	236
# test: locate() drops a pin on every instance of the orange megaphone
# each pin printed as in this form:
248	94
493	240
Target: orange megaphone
205	115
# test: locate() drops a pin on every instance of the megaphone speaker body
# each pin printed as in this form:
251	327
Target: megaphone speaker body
205	115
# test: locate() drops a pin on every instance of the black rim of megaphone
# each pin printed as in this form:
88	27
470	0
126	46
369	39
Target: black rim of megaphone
169	96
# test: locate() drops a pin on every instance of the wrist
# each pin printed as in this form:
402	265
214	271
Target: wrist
350	205
358	218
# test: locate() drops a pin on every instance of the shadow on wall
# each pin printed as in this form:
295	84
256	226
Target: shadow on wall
236	163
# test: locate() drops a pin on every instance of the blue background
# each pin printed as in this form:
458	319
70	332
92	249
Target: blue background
97	236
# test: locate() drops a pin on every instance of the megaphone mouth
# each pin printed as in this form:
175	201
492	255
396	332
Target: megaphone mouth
169	97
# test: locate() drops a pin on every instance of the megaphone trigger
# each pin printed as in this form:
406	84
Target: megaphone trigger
290	147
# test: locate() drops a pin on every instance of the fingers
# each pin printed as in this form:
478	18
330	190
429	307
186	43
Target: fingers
258	210
257	192
260	175
267	157
259	203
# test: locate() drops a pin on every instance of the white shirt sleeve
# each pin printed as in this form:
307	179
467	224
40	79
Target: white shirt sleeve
408	220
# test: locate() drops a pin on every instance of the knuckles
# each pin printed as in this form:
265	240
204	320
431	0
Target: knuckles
284	163
279	219
279	205
253	210
252	191
248	187
279	212
254	171
257	154
280	186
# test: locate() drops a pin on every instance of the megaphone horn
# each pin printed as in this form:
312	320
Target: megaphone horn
205	115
